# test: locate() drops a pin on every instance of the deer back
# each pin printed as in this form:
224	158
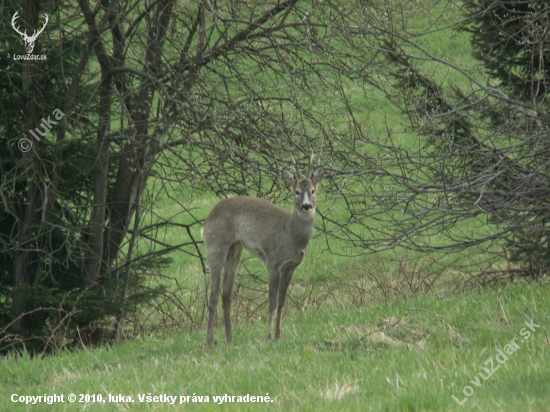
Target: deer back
264	229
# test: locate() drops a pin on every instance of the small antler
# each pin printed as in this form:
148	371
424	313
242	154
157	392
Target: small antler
297	168
310	163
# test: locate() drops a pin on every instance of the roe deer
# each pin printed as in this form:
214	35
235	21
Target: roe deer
277	237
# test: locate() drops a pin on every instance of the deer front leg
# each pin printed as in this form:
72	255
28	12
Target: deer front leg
274	280
286	277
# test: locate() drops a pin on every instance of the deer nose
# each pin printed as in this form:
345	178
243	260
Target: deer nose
307	206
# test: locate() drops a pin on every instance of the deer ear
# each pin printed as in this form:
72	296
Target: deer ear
318	174
289	177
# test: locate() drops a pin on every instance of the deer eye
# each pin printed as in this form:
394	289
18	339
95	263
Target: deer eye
313	191
297	192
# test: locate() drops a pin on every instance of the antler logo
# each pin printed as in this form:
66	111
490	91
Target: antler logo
29	40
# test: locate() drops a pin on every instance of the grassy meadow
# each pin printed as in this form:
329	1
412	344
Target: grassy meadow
412	355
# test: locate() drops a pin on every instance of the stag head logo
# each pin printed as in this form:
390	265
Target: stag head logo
29	40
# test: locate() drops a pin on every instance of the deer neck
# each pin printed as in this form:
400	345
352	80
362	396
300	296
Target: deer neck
302	227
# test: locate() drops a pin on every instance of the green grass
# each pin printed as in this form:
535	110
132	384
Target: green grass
403	356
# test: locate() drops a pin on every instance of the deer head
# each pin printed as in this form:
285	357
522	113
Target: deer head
304	187
29	40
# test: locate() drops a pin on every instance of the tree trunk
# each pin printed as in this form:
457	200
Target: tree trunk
132	167
26	259
101	171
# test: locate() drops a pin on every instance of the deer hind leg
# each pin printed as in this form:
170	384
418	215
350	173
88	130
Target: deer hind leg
216	259
230	271
274	280
286	277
